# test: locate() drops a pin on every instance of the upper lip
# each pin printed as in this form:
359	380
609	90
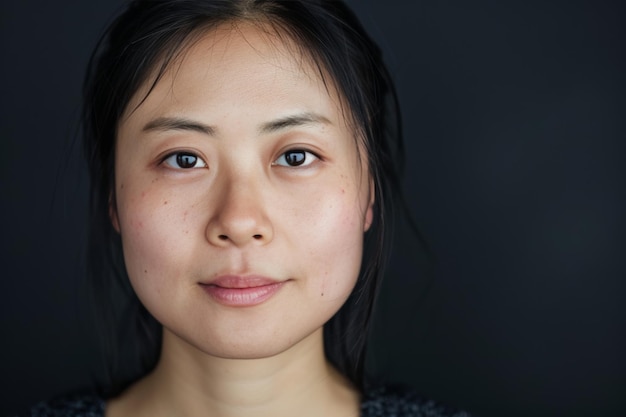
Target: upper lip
240	281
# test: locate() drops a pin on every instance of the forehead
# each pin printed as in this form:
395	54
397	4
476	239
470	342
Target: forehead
236	57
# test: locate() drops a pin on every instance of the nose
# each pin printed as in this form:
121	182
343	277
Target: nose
239	217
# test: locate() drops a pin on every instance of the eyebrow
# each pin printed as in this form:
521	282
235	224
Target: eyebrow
301	119
178	123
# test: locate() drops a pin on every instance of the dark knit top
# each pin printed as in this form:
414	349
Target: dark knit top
380	402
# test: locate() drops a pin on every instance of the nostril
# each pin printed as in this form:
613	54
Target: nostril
257	237
223	237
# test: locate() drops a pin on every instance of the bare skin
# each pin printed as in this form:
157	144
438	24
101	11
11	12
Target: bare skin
296	383
240	165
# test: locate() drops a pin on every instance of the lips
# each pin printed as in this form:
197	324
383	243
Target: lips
242	291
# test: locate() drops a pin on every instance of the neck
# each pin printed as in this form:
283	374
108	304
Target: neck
187	382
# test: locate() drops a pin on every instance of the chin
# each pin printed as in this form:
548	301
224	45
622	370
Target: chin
247	345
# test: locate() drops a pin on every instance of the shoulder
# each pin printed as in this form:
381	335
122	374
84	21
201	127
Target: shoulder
401	401
74	406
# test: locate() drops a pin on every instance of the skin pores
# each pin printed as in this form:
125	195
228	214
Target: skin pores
239	169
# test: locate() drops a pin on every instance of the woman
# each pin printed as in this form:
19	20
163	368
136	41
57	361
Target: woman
244	166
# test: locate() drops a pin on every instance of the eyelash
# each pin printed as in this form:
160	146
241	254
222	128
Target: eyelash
309	158
176	158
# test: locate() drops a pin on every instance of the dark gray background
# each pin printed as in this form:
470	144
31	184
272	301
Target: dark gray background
515	146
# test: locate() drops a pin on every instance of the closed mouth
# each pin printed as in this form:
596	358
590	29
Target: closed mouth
238	291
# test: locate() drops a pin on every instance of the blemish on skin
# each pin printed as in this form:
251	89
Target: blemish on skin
145	271
165	202
122	186
324	285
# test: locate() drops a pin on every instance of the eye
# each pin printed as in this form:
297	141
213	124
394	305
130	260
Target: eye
296	158
184	160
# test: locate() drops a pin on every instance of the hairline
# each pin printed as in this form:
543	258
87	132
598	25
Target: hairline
172	55
286	38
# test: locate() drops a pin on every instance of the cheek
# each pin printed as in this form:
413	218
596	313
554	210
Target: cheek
151	233
334	244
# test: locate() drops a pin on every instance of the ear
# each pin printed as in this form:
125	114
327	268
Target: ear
113	212
369	213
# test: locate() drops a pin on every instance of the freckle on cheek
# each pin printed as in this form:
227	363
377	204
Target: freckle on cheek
165	202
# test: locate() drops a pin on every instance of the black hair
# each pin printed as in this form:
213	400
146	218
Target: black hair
136	49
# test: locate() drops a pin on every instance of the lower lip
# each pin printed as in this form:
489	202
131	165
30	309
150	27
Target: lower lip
242	297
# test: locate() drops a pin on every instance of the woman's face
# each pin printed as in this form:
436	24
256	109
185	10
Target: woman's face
241	197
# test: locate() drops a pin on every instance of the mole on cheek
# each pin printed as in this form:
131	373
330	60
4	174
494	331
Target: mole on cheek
324	282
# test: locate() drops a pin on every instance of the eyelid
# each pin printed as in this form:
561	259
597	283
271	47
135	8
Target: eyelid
315	156
200	160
